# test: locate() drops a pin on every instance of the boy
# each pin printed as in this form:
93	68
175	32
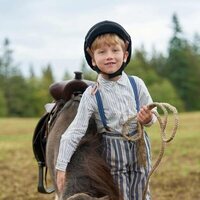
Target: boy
107	50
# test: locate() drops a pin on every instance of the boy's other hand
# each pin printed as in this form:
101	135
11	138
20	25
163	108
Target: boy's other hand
144	116
60	180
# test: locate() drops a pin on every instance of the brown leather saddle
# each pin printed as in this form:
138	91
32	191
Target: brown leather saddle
61	93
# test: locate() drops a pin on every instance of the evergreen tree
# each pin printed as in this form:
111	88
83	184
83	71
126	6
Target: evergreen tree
182	68
3	105
6	60
32	100
160	88
16	96
158	62
42	93
6	64
196	43
8	73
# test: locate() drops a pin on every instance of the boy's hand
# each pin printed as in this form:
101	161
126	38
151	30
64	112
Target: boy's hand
60	180
144	116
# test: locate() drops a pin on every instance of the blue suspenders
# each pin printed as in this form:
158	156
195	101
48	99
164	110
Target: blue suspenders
100	104
135	90
101	110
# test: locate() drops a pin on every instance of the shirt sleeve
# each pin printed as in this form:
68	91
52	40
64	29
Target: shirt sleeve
145	98
73	134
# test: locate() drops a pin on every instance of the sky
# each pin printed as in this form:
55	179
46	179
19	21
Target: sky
52	32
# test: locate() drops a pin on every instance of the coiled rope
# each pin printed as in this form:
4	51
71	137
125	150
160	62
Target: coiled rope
139	136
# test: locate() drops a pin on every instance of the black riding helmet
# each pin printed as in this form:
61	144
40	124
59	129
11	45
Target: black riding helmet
103	28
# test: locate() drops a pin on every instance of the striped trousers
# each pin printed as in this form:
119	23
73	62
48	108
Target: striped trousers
121	156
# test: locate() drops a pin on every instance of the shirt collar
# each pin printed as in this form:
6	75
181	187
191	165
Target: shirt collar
109	84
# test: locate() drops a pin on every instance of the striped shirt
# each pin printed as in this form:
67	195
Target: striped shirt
119	105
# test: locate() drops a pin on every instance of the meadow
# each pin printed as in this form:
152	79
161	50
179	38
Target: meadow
177	178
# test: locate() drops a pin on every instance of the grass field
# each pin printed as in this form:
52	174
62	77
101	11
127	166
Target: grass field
177	178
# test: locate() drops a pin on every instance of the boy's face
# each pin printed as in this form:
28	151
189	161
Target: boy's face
109	58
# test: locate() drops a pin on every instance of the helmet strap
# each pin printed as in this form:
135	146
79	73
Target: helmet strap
96	69
118	72
110	76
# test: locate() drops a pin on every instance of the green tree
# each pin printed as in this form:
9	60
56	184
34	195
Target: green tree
16	96
11	82
32	99
196	43
6	63
158	62
160	88
3	105
6	60
182	68
42	94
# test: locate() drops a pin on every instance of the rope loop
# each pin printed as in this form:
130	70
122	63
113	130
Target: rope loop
165	107
163	124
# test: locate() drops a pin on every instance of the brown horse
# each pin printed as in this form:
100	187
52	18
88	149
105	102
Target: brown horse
88	176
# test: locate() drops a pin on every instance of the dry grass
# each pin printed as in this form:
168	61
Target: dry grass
178	176
18	168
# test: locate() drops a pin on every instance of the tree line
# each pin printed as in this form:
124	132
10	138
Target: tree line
173	78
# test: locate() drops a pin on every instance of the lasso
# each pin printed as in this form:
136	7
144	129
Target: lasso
163	124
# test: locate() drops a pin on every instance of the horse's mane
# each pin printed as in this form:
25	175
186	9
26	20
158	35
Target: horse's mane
87	171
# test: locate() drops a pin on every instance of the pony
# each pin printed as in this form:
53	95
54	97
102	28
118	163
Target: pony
88	175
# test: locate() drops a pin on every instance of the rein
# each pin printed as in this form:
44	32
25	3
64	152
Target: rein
139	136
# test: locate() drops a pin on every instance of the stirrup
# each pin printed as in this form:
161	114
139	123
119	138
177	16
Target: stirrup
41	186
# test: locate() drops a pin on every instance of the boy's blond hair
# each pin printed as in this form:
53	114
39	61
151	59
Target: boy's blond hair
108	39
